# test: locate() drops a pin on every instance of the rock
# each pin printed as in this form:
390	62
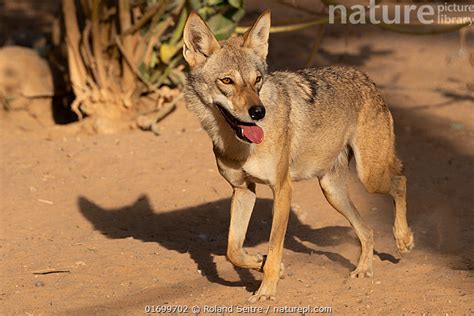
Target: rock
24	73
26	83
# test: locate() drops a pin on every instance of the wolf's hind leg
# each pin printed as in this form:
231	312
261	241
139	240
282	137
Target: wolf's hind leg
401	231
380	170
334	185
243	201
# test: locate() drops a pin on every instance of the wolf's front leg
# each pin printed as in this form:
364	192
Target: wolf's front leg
243	201
271	269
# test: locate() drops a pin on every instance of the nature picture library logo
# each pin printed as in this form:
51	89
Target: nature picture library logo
435	13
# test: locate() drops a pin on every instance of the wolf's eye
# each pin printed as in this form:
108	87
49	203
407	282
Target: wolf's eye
258	79
227	80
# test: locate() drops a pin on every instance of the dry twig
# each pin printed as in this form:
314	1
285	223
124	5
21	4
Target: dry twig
144	19
131	65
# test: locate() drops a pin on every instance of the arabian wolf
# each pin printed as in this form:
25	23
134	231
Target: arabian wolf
277	128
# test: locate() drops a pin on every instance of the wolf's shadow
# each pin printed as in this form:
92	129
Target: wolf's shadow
202	232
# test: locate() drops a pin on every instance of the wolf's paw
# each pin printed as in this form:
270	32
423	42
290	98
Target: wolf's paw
362	271
259	297
405	241
364	267
242	259
258	257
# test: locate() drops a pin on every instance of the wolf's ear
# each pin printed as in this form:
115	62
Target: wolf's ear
256	37
199	42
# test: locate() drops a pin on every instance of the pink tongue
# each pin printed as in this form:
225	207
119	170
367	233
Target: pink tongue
253	133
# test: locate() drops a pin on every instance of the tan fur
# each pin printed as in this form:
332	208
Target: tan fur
315	120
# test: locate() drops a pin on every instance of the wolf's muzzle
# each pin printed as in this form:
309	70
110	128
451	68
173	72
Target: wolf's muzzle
257	112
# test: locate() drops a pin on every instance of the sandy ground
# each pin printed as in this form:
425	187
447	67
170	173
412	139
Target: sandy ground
134	219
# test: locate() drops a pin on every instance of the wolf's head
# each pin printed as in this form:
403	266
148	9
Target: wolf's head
228	75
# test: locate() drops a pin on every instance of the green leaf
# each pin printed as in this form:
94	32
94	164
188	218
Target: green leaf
154	60
155	75
237	15
142	69
177	77
167	52
214	2
174	3
236	3
195	4
178	31
205	12
221	26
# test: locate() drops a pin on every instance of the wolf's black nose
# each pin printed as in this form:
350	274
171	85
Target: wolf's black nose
257	112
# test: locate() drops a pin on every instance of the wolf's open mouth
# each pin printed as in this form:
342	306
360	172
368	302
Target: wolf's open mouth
249	132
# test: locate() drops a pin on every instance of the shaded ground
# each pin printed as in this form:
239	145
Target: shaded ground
24	22
140	220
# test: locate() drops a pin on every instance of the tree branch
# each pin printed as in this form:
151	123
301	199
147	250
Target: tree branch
97	45
127	49
145	18
128	59
77	69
